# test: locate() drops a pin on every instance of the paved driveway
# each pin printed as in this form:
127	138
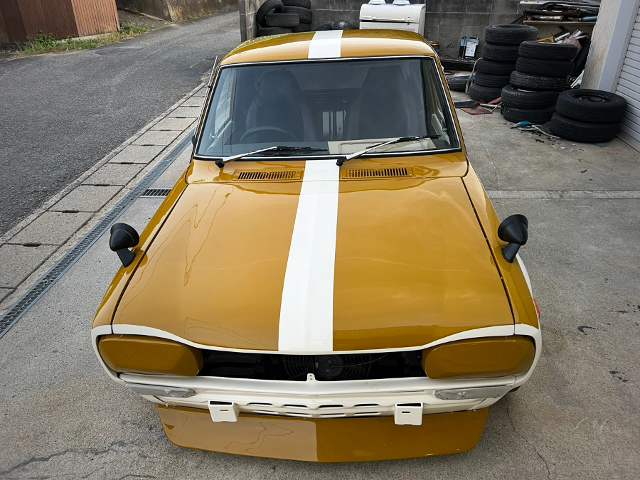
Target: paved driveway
577	418
60	114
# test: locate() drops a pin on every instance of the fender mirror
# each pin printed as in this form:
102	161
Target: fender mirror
123	237
514	230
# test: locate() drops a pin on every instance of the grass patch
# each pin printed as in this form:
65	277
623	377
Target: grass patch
44	43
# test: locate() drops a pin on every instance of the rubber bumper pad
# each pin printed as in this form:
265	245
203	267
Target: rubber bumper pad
323	440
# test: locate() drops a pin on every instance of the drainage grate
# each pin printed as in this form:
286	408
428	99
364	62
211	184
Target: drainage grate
48	279
155	192
276	175
377	172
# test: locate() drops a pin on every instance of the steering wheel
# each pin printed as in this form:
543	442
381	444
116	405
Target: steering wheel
266	128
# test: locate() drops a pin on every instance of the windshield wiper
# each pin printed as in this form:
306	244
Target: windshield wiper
278	148
381	144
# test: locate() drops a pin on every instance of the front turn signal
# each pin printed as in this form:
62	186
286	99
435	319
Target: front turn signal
149	355
488	357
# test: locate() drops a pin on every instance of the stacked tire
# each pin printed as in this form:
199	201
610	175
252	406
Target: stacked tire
589	116
499	56
275	17
541	74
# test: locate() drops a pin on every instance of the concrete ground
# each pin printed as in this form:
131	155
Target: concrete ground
62	113
577	417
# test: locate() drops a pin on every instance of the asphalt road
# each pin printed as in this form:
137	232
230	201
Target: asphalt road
62	113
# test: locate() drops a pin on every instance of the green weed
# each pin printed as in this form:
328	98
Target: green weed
44	43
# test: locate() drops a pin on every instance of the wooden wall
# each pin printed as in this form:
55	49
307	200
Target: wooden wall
22	20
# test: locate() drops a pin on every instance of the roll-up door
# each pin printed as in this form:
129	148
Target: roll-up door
628	86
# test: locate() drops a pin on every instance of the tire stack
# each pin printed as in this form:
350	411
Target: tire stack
541	73
499	56
589	116
275	17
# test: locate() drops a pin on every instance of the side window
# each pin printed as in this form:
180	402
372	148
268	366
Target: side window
222	114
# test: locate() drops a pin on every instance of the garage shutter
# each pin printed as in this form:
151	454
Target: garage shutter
629	87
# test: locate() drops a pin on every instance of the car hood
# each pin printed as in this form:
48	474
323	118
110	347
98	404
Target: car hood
402	263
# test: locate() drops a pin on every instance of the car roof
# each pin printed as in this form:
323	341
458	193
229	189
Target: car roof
329	44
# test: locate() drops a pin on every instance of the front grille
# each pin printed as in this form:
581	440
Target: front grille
338	367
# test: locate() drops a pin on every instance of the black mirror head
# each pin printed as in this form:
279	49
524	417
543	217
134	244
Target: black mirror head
515	230
123	237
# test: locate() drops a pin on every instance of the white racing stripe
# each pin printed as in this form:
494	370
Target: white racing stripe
306	311
325	44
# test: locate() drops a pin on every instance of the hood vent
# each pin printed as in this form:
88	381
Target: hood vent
265	175
377	172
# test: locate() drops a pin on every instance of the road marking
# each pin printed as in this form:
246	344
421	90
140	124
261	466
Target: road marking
564	194
326	44
306	310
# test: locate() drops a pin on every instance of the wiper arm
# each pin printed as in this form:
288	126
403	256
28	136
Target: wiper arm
278	148
381	144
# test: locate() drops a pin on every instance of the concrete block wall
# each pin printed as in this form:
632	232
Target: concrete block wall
446	20
449	20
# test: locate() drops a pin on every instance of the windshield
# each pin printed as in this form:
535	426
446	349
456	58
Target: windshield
338	106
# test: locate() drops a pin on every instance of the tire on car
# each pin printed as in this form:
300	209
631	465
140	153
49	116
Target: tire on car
544	68
548	50
485	80
303	13
528	99
500	53
591	106
494	68
286	20
536	116
535	82
581	131
509	34
485	94
267	7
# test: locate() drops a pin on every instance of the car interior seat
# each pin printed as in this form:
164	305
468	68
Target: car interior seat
277	105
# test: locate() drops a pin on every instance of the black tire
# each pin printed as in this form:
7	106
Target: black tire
485	80
537	116
267	7
286	20
500	53
304	13
591	106
297	3
494	68
528	99
510	34
323	27
484	94
301	27
343	25
548	50
266	31
545	68
581	131
458	83
527	81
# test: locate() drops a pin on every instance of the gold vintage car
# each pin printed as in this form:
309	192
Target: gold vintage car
328	280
